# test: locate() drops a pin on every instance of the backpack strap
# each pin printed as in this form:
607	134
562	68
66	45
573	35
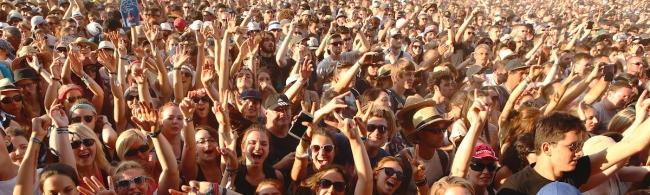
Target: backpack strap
444	161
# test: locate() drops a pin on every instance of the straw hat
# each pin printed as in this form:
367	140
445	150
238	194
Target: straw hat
26	51
7	85
84	41
413	103
427	116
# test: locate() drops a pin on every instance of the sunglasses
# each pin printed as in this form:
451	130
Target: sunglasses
476	166
434	130
381	128
9	100
205	141
325	183
337	43
132	97
132	152
10	147
73	99
327	148
390	172
197	100
78	119
125	183
86	142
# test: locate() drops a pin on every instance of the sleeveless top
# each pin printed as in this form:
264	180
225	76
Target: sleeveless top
242	186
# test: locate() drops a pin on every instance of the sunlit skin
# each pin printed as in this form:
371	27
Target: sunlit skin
280	117
172	121
14	107
244	80
333	176
620	97
72	94
321	158
375	138
82	113
206	146
382	100
84	155
249	107
20	148
591	119
481	178
268	190
562	158
456	190
388	184
255	148
59	184
133	188
141	158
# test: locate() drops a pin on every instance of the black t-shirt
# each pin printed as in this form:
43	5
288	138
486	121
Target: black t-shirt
528	181
278	74
280	147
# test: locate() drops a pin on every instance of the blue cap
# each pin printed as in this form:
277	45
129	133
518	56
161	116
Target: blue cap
251	93
558	188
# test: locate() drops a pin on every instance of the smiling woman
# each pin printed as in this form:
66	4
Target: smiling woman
88	153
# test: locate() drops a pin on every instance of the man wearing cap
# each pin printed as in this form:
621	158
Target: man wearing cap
208	14
395	52
426	130
278	120
28	81
249	104
12	107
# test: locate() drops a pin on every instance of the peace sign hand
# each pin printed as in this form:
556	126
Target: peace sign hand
96	187
419	171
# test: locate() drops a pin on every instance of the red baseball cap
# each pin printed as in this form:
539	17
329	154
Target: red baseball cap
180	24
483	151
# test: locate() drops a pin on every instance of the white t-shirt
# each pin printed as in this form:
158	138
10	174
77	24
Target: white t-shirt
7	186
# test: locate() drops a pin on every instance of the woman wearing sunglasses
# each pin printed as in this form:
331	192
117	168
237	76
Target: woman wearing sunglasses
133	145
88	154
388	176
332	179
380	127
203	116
480	159
84	113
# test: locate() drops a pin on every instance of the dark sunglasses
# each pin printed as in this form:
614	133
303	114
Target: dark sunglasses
86	142
9	100
199	99
132	97
132	152
327	148
325	183
125	183
78	119
477	166
390	172
10	147
381	128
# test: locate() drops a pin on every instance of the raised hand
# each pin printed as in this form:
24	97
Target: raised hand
39	126
139	75
121	48
306	69
187	107
107	59
75	63
114	37
208	74
596	72
58	116
181	56
349	128
33	62
642	105
151	32
221	112
335	103
195	188
96	187
56	67
145	117
478	111
534	71
366	56
419	171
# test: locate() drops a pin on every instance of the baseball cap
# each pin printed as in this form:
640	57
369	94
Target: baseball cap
210	10
515	64
274	25
484	151
276	100
253	26
251	94
76	13
306	12
93	28
65	89
14	14
106	45
37	20
166	26
558	188
180	24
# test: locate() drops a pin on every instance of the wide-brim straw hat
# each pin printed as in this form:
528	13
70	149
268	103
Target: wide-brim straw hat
413	103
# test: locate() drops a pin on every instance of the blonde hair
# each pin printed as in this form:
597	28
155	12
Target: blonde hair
272	182
124	166
83	132
447	182
387	159
126	140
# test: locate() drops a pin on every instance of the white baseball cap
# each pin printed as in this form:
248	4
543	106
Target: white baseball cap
106	45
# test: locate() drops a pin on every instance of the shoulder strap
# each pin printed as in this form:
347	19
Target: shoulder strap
444	161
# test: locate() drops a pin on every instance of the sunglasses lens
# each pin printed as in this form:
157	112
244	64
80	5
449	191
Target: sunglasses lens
143	148
6	100
10	147
324	183
75	119
75	144
328	148
315	148
123	184
88	119
88	142
138	180
18	98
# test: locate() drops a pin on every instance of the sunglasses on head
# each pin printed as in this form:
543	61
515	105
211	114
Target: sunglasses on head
73	99
371	128
477	166
327	148
78	119
199	99
9	100
126	183
325	183
390	172
132	152
86	142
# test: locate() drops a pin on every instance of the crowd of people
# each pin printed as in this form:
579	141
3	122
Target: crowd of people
272	97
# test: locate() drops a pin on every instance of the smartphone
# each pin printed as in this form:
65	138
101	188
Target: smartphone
608	72
297	129
590	25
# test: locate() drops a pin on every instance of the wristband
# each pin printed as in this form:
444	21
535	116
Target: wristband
188	120
155	134
232	170
37	141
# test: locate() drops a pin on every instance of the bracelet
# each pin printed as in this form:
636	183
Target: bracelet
155	134
55	79
37	141
188	120
232	170
422	182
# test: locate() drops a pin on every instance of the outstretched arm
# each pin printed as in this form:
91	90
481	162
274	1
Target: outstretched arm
27	170
477	118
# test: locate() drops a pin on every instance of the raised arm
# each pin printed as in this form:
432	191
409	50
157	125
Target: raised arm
147	120
38	67
305	72
281	56
59	139
346	77
200	57
227	140
514	95
77	68
181	57
299	167
224	67
27	170
360	156
477	117
53	88
188	160
578	88
461	30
